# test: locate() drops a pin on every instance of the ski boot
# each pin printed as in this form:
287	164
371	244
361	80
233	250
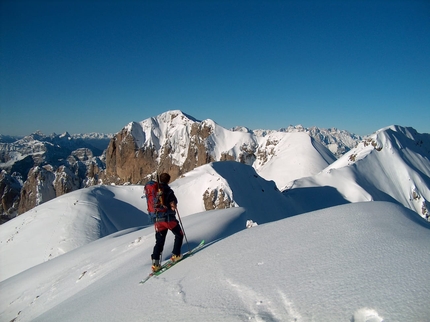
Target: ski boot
156	265
175	258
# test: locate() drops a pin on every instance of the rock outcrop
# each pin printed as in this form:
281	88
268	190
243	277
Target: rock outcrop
37	189
46	182
10	187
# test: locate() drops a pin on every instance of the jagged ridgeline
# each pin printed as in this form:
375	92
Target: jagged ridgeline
38	168
177	143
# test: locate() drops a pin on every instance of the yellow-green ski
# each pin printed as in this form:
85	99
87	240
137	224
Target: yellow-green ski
170	263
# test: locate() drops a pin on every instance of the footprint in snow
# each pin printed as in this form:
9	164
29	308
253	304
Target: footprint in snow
366	315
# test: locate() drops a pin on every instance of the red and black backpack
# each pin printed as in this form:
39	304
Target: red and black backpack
154	197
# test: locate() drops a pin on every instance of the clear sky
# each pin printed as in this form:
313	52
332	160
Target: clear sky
94	66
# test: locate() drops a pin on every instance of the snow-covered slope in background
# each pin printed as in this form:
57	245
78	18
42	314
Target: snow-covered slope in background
172	141
236	184
391	165
294	155
337	141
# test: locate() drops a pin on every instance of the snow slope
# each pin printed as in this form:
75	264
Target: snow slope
241	186
295	155
65	223
360	262
391	165
83	216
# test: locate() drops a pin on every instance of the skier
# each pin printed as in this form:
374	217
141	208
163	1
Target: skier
164	220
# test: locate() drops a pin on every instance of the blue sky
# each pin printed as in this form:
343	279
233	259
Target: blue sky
95	66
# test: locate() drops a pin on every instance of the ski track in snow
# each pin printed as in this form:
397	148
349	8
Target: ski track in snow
260	307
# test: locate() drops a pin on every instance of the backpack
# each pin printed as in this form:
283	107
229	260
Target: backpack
154	198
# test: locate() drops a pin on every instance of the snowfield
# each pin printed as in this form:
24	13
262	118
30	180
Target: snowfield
365	261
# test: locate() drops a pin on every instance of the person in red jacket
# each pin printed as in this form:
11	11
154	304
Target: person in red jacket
165	221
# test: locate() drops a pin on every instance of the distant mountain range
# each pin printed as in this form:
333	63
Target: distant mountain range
391	164
39	167
92	140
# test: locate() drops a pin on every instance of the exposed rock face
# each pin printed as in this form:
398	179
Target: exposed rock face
38	149
217	199
38	168
126	161
10	187
37	189
198	153
65	181
45	183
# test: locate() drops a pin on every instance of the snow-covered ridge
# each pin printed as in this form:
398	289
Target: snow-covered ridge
337	141
393	164
173	134
292	157
93	135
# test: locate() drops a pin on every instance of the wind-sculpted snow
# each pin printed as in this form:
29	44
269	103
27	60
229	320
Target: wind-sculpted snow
391	165
66	223
240	184
294	155
261	199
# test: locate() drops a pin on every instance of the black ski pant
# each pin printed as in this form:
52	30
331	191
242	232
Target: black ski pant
161	229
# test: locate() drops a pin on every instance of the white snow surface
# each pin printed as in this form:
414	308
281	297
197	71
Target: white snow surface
295	155
80	257
391	165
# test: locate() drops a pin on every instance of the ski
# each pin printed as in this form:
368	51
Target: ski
170	263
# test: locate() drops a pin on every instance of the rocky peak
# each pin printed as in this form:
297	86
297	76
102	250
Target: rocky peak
177	143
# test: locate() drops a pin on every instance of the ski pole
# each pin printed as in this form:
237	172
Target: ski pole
182	226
